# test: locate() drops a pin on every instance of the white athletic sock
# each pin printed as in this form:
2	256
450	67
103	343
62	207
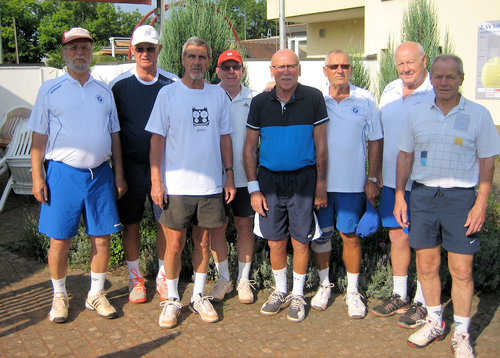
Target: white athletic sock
436	313
352	282
280	280
223	270
133	269
97	281
199	284
298	284
461	324
400	286
324	277
244	270
172	288
419	295
59	285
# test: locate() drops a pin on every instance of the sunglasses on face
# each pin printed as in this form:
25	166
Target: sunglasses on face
343	66
148	49
226	68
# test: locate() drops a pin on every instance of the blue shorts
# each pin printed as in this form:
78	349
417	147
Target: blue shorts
73	192
386	207
347	207
438	216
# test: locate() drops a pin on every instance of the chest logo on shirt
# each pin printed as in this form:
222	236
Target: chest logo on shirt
98	98
355	110
200	117
461	122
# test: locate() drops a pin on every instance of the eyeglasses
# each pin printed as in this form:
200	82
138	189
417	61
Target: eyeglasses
226	68
74	48
286	67
148	49
342	66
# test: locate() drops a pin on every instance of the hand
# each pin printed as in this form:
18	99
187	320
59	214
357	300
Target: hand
259	203
121	187
475	219
229	190
400	212
320	198
372	191
40	190
158	194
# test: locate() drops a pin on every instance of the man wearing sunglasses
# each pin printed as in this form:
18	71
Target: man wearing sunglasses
354	123
135	93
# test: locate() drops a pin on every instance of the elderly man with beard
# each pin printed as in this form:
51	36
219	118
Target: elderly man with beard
75	129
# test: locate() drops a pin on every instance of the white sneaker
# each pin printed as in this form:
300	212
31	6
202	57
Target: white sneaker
171	310
355	305
161	287
220	289
59	310
245	293
461	347
203	307
428	333
320	299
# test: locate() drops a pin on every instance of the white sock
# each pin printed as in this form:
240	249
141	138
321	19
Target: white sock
59	285
461	324
223	270
436	313
161	271
280	280
97	281
172	288
419	295
400	286
352	282
244	270
199	284
133	269
324	277
298	284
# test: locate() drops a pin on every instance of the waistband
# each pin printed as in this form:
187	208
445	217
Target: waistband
82	170
288	172
420	185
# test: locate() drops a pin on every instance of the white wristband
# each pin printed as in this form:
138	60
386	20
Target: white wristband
253	186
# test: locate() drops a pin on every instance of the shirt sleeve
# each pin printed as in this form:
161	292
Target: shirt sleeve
113	115
225	126
374	122
158	122
253	121
321	113
487	140
39	119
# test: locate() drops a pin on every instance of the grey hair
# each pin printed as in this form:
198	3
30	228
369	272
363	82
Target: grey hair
446	57
197	41
339	52
420	48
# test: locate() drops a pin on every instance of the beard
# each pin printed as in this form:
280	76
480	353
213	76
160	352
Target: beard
196	77
78	66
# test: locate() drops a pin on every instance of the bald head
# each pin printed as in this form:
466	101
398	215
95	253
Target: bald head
285	68
410	63
284	53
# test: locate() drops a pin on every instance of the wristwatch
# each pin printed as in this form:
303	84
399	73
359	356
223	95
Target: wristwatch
373	179
229	170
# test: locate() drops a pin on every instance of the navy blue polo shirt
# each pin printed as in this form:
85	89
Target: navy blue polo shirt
286	132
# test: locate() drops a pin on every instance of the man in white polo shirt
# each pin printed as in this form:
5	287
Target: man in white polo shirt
449	146
75	129
354	121
411	88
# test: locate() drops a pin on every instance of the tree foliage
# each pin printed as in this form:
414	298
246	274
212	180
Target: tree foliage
41	24
194	18
419	24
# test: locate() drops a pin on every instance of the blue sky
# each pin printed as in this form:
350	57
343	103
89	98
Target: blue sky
143	9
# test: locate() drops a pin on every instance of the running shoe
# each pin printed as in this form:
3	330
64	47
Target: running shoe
427	334
171	310
414	316
390	305
275	302
356	308
221	288
320	300
244	288
461	347
59	311
101	305
203	307
136	290
161	287
297	311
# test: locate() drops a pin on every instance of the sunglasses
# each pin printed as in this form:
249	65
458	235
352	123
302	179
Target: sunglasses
226	68
148	49
343	66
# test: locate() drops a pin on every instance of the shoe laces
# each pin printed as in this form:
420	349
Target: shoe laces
221	284
432	329
276	297
137	280
244	283
59	302
170	304
354	298
461	344
323	290
204	303
161	281
296	302
100	299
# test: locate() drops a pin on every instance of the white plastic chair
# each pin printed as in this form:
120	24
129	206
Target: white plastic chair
8	124
17	159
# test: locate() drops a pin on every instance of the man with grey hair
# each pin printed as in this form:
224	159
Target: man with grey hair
449	146
190	143
411	88
353	116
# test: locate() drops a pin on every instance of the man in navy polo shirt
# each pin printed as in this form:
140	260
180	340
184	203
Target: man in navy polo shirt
290	122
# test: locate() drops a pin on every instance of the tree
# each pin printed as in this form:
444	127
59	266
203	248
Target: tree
420	24
194	18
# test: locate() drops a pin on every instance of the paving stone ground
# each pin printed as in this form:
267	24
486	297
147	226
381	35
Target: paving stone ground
26	294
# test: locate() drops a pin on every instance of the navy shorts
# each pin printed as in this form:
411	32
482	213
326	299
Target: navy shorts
241	205
438	216
73	192
386	208
290	198
347	207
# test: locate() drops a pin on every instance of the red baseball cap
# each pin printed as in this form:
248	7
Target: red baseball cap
76	33
229	55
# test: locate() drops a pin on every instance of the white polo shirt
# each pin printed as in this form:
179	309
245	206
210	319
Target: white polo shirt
447	148
353	121
192	120
238	111
394	110
78	120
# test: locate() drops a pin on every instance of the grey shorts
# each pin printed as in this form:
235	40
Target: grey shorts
437	217
180	210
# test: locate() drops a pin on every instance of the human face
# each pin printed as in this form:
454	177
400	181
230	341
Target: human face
285	69
446	80
146	54
410	65
78	55
338	77
195	61
229	73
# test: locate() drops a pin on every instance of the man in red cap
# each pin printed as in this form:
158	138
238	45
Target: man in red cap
76	131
